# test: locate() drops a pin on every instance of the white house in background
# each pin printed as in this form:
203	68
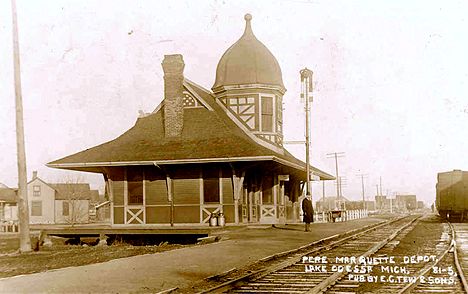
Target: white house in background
72	203
8	204
41	200
62	203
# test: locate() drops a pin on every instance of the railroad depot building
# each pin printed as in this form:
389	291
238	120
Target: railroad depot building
202	152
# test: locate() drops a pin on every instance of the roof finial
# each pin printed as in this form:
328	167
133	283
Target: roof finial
248	28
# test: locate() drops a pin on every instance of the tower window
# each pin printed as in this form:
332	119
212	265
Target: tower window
267	114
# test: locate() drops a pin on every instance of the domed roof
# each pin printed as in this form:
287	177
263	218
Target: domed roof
248	61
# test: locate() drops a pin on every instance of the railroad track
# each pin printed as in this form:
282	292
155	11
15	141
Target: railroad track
440	273
447	274
297	274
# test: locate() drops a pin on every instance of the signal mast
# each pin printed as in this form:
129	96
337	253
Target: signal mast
306	89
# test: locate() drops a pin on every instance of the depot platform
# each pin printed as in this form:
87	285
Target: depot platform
238	247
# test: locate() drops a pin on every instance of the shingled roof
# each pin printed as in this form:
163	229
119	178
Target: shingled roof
7	195
72	191
207	136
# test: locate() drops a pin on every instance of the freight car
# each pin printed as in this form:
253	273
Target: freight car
452	194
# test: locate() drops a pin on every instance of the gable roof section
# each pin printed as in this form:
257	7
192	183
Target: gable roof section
208	134
40	180
8	195
72	191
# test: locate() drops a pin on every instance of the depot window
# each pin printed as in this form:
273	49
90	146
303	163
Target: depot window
267	187
135	186
211	186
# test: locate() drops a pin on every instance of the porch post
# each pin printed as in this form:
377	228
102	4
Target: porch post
236	197
110	193
170	197
238	183
110	186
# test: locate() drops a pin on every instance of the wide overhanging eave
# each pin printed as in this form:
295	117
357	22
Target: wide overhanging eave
96	166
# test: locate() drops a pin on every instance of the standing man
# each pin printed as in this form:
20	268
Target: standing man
308	211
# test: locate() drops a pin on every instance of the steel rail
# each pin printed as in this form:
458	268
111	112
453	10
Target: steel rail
255	275
461	272
427	268
291	261
330	281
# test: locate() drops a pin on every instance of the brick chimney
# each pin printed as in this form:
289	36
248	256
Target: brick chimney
173	67
34	176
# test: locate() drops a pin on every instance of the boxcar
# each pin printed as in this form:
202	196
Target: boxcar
452	194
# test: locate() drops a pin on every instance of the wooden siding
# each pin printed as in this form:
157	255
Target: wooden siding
118	215
118	192
42	203
186	191
156	192
187	214
228	211
158	215
228	193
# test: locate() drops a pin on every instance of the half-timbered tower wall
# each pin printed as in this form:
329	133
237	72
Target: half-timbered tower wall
259	110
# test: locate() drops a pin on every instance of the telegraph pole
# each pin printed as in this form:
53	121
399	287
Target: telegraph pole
306	88
323	195
336	155
381	185
362	184
23	211
391	204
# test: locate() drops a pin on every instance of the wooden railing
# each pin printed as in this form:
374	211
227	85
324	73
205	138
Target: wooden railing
340	216
9	226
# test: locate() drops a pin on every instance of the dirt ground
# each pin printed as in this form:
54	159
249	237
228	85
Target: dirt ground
60	255
419	241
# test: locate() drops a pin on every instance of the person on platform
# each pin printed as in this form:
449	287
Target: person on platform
308	211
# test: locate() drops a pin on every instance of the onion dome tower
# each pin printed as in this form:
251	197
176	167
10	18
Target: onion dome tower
249	85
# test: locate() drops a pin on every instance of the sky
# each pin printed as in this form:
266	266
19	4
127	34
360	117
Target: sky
390	80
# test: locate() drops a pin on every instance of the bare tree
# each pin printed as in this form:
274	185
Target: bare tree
74	196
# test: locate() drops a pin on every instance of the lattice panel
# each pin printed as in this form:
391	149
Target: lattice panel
281	211
268	211
190	101
207	211
272	138
135	216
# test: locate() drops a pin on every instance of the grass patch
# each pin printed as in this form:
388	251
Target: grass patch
60	255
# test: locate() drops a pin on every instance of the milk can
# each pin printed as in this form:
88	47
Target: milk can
213	220
221	220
